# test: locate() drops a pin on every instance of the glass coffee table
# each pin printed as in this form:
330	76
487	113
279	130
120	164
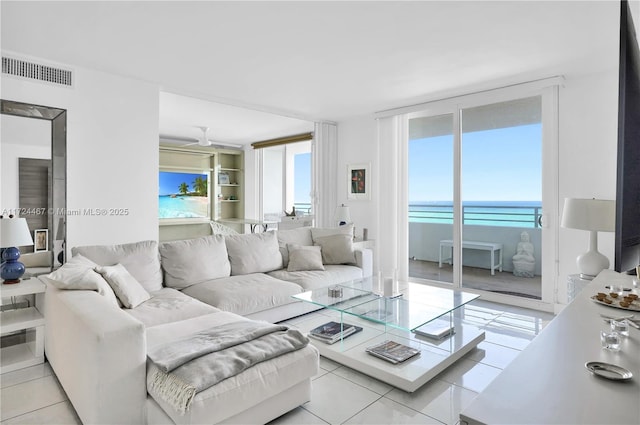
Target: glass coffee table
427	318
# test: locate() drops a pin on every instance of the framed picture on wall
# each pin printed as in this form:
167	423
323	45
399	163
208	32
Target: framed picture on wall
223	178
359	181
40	240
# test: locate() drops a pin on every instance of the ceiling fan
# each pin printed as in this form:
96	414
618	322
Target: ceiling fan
203	141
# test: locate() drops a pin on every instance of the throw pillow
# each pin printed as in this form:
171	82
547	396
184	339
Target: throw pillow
253	253
319	232
128	290
303	258
78	273
141	259
336	249
192	261
299	236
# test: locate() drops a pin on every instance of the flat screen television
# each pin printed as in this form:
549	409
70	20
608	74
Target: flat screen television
183	195
627	237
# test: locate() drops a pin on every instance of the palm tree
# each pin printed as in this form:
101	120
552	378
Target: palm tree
200	186
184	188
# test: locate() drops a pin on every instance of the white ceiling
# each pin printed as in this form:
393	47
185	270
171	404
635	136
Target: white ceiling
315	60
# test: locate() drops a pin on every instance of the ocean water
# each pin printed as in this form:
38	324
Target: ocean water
480	213
183	207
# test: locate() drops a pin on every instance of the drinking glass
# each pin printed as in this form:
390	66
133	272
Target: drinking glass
610	340
620	326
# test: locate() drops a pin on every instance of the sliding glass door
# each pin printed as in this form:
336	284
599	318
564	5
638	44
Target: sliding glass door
476	179
431	197
501	196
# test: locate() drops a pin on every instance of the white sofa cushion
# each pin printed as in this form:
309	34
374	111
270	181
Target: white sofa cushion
128	290
331	275
141	259
336	249
300	236
238	393
304	258
253	253
79	273
169	305
191	261
244	294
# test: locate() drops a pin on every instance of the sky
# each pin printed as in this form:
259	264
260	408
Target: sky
498	165
170	182
302	178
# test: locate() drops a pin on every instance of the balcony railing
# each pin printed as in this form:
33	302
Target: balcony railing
478	214
303	207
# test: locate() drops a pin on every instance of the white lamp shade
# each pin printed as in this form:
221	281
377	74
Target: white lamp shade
14	232
342	214
589	214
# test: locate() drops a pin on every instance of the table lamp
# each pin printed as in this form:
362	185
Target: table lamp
14	232
342	215
594	215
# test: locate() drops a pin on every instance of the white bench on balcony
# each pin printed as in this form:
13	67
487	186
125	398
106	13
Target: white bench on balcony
483	246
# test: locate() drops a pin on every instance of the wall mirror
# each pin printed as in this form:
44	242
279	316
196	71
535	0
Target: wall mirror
33	151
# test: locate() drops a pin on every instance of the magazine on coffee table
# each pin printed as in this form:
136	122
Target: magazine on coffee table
392	351
333	332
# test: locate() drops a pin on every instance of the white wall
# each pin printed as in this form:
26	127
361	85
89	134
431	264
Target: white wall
587	159
112	152
357	144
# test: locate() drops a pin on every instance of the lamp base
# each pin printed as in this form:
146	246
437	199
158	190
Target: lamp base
12	269
591	263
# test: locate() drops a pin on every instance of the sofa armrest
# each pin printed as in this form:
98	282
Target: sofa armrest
98	353
364	260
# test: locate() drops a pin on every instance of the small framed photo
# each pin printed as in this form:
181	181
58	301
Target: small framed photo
40	240
223	178
359	184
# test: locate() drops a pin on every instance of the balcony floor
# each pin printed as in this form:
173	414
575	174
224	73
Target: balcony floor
477	278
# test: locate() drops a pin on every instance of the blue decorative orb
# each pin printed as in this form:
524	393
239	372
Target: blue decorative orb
9	254
12	270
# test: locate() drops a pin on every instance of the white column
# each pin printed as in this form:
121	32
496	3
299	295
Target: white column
324	152
392	244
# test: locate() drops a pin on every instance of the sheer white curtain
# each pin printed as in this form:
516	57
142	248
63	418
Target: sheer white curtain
324	154
392	246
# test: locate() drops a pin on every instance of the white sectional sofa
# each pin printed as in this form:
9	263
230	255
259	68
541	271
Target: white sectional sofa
98	347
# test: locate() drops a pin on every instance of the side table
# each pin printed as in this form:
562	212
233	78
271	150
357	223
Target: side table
575	284
29	319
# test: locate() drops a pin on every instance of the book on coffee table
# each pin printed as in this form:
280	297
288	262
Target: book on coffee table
333	332
392	351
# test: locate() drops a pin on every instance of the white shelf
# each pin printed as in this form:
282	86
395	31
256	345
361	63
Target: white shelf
17	320
31	352
22	355
25	287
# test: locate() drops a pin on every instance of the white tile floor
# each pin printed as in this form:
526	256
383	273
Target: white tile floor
340	395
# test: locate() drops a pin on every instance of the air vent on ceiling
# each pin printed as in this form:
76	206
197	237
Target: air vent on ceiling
36	71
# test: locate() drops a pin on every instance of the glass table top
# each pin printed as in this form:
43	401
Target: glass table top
419	305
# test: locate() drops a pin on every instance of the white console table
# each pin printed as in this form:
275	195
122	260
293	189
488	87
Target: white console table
548	382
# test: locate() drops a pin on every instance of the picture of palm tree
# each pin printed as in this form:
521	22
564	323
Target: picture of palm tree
183	188
200	186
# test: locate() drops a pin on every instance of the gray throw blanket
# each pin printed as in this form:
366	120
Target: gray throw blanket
201	360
